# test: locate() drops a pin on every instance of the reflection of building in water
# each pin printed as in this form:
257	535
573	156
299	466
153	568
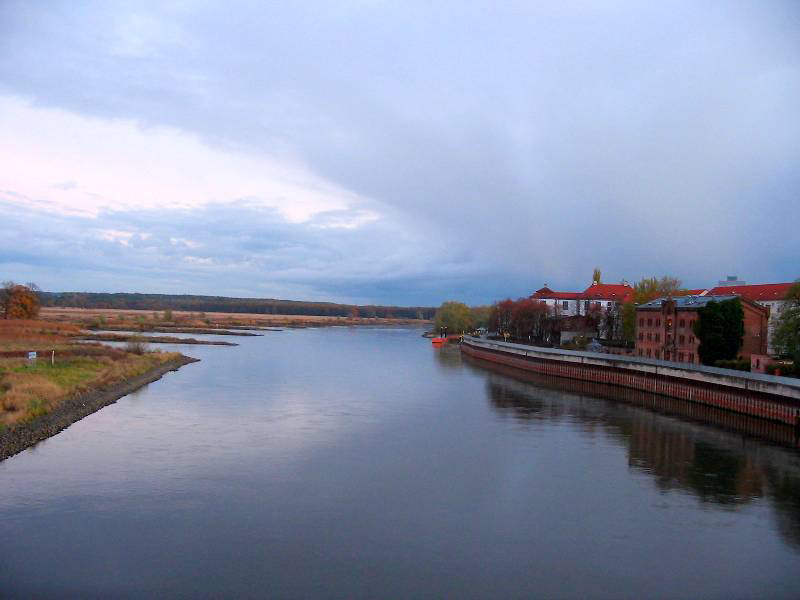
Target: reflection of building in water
784	494
713	465
679	461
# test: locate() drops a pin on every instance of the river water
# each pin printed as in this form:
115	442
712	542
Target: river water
363	463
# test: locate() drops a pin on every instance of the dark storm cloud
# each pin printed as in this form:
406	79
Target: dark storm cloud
502	145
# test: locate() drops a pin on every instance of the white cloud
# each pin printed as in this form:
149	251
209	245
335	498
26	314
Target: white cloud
115	235
176	241
121	166
198	260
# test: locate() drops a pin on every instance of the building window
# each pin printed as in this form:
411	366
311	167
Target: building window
691	339
658	353
682	340
649	322
682	323
658	337
649	336
565	305
691	358
658	322
649	355
641	322
641	336
680	356
641	351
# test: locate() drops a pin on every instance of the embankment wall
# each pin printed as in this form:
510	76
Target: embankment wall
763	396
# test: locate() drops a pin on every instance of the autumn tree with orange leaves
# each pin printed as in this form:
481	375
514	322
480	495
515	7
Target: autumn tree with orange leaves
18	301
500	315
528	317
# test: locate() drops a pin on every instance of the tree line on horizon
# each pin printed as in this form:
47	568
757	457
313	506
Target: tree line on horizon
194	303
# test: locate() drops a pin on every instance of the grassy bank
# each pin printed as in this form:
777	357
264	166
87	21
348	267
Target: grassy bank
30	391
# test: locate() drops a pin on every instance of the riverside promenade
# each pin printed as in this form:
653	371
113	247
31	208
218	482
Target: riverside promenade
767	397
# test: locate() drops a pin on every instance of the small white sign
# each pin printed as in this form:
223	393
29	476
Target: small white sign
32	356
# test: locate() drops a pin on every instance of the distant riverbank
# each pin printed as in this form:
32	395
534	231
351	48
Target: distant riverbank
153	339
213	319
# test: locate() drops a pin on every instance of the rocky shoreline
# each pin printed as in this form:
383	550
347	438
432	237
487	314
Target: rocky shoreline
16	439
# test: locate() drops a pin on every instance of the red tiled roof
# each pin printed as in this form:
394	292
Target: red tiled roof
547	293
601	291
608	291
763	292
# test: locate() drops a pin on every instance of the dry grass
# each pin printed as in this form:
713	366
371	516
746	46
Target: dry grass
28	394
34	335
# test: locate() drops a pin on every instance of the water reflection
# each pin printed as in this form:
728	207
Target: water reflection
448	357
716	466
365	463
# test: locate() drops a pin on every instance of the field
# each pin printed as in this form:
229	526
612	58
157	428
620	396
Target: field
17	334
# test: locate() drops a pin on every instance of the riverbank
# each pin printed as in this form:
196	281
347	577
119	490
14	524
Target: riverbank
21	435
761	396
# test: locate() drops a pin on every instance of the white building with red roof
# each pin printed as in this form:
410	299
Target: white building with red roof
772	295
606	295
565	304
601	295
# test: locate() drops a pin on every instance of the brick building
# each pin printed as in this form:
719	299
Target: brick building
664	327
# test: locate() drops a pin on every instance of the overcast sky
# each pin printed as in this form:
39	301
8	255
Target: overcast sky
397	153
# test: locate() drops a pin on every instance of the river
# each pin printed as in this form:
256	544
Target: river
363	463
